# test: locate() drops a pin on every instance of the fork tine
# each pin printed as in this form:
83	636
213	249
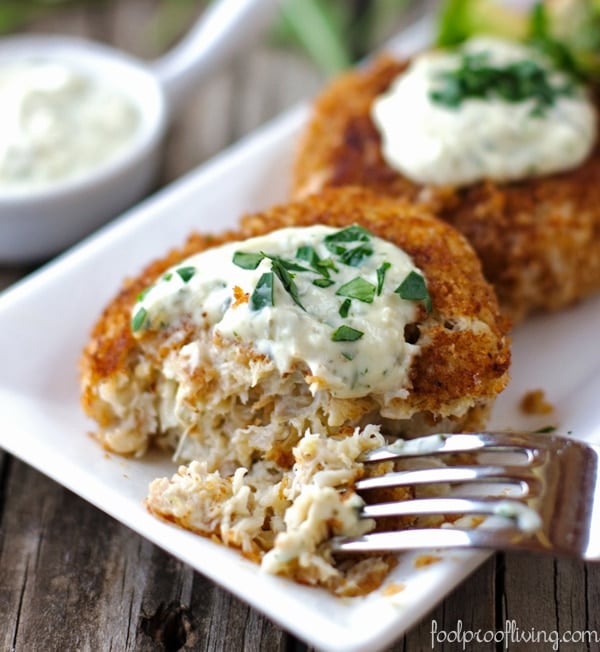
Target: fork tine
447	475
558	510
507	508
427	538
456	443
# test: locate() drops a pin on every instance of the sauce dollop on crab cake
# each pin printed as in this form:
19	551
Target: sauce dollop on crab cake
268	359
494	140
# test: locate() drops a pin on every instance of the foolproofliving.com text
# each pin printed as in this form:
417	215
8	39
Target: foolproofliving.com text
511	634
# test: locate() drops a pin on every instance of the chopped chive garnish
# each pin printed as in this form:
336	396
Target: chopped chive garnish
345	308
413	288
262	296
186	273
359	289
139	319
346	334
247	260
323	282
381	276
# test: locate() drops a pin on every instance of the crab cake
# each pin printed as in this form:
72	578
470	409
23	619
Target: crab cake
269	358
491	139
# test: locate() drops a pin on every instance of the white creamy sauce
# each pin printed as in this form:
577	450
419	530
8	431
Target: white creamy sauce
378	361
57	123
432	143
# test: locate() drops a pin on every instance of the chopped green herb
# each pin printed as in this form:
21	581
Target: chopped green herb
345	308
325	265
381	276
186	273
247	260
168	276
346	334
545	429
354	257
354	233
291	266
348	355
141	296
139	319
323	282
336	242
359	289
286	279
413	288
519	81
262	296
309	254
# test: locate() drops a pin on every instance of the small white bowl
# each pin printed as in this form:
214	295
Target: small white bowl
38	223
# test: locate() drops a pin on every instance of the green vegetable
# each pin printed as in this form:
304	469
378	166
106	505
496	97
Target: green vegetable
346	334
323	282
143	293
345	308
262	296
354	257
413	288
359	289
541	38
545	429
515	82
186	273
354	233
458	20
139	319
381	270
247	260
287	279
322	266
567	32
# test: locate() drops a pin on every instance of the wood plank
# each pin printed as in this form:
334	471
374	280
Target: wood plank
479	613
545	594
73	578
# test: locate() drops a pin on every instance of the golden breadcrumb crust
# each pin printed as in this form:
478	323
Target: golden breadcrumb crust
538	239
457	363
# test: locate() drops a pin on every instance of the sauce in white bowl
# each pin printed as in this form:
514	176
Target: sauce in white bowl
71	167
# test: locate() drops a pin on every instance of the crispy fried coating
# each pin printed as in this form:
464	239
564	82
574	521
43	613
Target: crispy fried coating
464	358
538	239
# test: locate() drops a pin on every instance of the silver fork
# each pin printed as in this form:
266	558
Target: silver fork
556	508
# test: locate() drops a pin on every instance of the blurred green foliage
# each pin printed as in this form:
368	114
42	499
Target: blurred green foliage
334	33
568	31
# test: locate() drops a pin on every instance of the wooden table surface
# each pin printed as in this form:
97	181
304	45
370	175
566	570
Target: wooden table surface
72	578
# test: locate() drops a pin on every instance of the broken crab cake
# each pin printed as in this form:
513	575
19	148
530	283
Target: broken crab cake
269	358
493	139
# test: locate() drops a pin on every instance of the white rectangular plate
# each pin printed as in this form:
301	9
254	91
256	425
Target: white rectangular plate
45	321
